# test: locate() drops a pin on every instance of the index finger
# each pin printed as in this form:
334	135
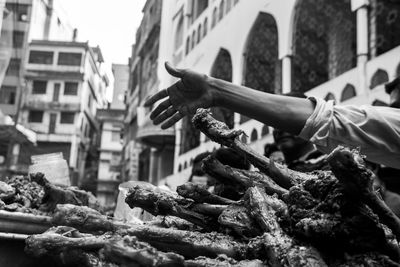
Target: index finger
157	96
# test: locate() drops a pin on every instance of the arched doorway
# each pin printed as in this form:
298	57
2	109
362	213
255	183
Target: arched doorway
324	42
222	69
262	68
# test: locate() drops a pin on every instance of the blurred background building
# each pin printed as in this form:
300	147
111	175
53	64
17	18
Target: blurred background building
337	50
111	121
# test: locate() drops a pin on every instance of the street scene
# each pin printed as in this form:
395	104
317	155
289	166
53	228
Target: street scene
200	133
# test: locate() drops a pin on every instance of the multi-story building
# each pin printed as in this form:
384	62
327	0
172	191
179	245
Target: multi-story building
64	88
341	50
25	20
149	151
111	121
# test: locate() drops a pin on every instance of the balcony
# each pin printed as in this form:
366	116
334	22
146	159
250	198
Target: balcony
152	135
43	105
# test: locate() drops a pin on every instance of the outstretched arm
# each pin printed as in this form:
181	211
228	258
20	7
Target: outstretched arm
195	90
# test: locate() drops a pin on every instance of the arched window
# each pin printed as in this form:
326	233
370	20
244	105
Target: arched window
254	135
379	103
379	77
185	165
205	27
190	136
187	49
348	92
398	71
262	68
228	5
222	69
193	39
214	18
329	96
191	162
324	42
221	9
384	26
179	167
179	33
243	139
264	130
199	33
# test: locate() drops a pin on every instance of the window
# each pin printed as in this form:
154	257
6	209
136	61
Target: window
71	88
349	91
18	39
41	57
205	26
69	59
193	39
187	45
214	18
20	10
67	117
39	87
115	136
35	116
198	7
221	10
199	34
7	95
14	66
179	33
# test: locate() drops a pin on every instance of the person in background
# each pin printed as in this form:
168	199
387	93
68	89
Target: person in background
300	154
198	176
272	152
228	156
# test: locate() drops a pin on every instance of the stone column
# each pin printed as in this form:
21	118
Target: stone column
361	9
286	74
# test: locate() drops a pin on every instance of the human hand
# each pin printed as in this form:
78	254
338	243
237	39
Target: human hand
182	98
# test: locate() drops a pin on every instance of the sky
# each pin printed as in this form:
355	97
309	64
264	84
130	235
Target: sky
111	24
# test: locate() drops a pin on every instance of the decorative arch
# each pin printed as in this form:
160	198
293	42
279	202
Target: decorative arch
264	130
222	69
214	18
199	33
379	103
323	42
243	139
380	77
330	96
348	92
193	39
254	135
262	68
187	49
179	33
228	5
221	10
205	27
384	25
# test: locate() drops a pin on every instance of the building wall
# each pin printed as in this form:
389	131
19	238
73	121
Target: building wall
121	80
232	34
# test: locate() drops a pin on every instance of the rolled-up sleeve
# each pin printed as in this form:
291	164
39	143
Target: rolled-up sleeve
374	130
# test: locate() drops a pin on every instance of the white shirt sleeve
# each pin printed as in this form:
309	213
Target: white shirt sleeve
374	130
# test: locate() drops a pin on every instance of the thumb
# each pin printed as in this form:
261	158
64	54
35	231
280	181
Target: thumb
174	71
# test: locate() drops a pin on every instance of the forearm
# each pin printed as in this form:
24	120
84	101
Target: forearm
283	112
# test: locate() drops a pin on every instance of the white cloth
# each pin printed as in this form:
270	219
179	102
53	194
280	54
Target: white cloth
375	130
